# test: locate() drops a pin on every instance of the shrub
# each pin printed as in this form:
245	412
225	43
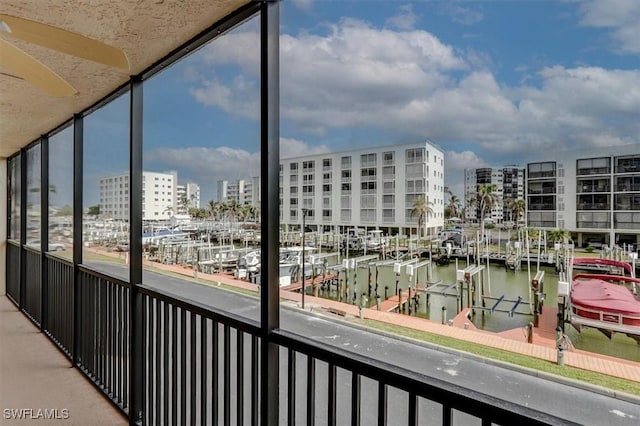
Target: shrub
589	249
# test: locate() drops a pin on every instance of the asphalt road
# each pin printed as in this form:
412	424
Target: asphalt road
572	403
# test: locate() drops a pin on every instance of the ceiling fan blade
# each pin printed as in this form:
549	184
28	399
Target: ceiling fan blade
64	41
33	71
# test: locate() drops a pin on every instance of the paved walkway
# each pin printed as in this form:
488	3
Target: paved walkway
515	340
35	375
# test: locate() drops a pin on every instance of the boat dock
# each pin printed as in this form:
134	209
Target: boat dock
317	281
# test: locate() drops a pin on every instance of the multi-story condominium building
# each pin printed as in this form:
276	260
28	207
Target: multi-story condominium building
373	187
159	196
593	193
188	197
509	182
243	191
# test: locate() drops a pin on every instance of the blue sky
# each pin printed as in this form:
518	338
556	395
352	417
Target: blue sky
491	82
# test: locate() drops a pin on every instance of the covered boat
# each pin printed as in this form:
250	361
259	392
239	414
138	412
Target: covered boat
606	302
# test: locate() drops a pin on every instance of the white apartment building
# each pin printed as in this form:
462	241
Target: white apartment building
509	182
243	191
189	192
159	196
373	187
593	193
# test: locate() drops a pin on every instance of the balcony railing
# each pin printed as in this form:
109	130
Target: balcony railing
104	333
588	189
627	188
542	223
59	312
593	171
201	365
626	225
593	206
537	175
627	206
33	284
542	191
627	169
542	206
13	271
594	225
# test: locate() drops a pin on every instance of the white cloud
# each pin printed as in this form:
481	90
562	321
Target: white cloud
463	15
409	83
405	19
454	164
290	148
240	98
303	4
621	16
207	165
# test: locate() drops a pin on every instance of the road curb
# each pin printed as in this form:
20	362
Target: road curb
623	396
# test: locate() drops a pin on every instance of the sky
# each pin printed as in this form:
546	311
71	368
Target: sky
490	82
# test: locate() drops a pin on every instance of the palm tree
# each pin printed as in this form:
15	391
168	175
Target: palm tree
558	235
454	206
486	199
422	209
214	209
518	207
233	209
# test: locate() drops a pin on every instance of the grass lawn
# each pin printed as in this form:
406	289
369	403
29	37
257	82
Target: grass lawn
510	357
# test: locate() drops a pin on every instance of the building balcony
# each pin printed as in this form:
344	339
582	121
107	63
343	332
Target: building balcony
627	169
593	171
593	206
592	189
593	225
542	224
539	175
626	225
542	206
541	191
627	188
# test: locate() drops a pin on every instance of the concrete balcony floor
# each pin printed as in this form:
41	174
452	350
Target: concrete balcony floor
35	375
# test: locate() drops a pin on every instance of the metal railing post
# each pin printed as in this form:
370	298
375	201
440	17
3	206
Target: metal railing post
136	379
44	230
270	171
78	142
23	227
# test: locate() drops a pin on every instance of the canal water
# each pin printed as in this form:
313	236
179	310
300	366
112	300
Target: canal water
497	282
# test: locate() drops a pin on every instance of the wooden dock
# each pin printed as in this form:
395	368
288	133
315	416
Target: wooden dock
297	285
392	303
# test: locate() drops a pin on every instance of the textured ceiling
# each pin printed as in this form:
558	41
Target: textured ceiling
145	29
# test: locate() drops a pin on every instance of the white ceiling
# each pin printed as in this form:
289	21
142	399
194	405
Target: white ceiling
146	30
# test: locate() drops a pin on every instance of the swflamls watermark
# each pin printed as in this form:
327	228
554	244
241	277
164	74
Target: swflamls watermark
35	414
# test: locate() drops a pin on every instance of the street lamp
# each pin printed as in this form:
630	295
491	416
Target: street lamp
304	215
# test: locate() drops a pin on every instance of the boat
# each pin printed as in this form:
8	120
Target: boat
607	302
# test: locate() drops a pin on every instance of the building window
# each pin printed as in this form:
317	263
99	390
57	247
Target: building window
345	162
415	155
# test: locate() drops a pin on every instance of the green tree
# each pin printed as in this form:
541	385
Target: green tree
94	210
486	198
422	210
453	206
65	210
558	236
518	207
